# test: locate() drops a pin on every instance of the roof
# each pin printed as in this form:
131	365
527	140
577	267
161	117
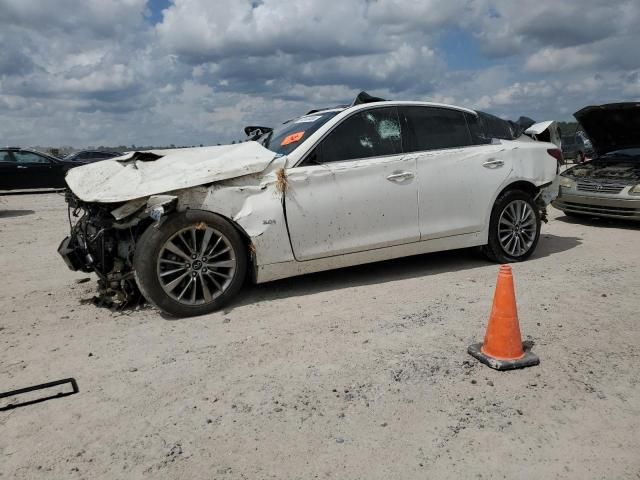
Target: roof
363	99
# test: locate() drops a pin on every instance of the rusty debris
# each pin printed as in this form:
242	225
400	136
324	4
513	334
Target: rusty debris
281	182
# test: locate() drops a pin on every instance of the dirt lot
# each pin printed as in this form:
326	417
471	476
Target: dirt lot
358	373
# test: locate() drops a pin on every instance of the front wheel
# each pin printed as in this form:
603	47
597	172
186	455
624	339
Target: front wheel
191	264
514	228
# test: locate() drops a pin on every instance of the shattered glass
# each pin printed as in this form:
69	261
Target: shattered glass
371	133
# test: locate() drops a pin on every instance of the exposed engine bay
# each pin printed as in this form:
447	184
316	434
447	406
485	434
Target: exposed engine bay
627	172
99	242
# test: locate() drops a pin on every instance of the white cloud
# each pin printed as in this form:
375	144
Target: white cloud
550	59
97	72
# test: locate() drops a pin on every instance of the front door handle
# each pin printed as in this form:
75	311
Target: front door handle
21	166
400	176
493	163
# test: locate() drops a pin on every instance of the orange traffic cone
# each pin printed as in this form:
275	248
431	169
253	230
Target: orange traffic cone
503	348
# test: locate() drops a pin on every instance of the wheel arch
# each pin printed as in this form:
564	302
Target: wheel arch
523	185
248	243
151	242
491	249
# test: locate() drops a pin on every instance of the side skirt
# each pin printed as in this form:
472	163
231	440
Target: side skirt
275	271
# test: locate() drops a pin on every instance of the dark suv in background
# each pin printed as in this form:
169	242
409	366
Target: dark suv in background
89	156
576	148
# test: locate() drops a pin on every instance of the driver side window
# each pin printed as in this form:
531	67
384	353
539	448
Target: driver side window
370	133
29	157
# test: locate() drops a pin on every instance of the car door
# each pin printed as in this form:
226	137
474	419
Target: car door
37	171
356	190
8	171
458	171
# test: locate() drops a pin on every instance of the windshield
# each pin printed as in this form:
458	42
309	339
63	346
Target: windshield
288	136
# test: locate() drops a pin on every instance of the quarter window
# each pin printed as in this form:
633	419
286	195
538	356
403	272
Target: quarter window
370	133
477	136
434	128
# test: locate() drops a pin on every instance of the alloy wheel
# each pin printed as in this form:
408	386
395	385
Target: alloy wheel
196	265
517	228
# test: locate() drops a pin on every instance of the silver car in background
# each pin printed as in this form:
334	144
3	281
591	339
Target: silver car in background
609	185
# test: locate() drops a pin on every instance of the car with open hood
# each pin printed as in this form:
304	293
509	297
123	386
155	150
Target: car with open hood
335	187
609	184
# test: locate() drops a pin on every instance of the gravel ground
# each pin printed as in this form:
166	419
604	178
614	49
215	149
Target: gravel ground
358	373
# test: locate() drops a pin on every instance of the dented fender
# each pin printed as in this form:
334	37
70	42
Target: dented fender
254	203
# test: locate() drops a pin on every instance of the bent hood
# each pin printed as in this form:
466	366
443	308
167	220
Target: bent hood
140	174
610	127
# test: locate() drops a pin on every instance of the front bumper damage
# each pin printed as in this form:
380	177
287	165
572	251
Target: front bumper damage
102	240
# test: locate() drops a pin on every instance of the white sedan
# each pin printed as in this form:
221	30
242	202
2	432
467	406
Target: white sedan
336	187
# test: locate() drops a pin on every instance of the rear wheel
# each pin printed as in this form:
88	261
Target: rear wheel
514	228
191	264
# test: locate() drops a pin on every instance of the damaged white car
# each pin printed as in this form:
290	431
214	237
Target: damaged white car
336	187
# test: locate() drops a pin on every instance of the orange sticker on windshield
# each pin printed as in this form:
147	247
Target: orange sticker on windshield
293	138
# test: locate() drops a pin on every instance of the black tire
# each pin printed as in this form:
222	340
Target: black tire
148	269
494	250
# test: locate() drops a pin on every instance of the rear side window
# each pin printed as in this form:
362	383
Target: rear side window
370	133
496	127
433	128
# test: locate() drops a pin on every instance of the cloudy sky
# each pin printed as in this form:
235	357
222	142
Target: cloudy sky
111	72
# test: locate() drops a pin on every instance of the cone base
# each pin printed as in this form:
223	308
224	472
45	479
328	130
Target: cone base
529	360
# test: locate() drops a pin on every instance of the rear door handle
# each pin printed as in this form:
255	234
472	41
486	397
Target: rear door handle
21	166
493	163
400	176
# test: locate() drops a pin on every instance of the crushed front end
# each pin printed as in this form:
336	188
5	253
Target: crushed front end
102	239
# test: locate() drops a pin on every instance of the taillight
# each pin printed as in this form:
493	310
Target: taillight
557	154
